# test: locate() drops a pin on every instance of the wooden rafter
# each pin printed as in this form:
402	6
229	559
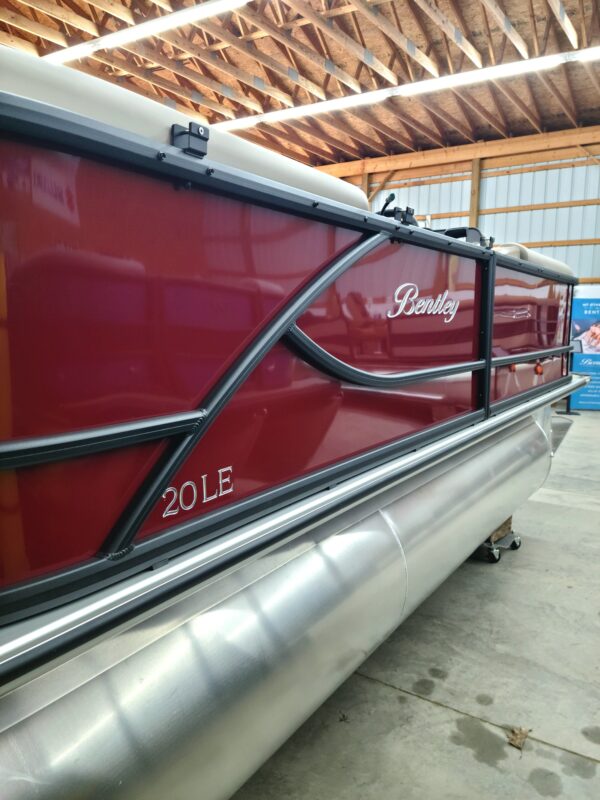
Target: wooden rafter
368	116
275	54
567	107
527	111
563	20
506	26
56	11
252	51
115	9
412	122
336	121
318	132
449	119
10	40
452	32
400	40
23	23
269	141
486	115
151	77
261	22
152	55
288	133
218	63
329	28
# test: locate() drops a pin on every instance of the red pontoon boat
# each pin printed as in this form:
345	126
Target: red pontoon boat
246	426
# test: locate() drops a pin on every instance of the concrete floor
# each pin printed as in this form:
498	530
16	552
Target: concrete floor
497	646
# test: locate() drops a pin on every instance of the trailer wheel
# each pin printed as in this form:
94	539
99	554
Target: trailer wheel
516	543
494	555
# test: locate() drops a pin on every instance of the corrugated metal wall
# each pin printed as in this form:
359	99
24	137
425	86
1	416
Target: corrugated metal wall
573	183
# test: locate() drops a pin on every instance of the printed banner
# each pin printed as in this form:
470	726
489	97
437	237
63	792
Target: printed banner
585	337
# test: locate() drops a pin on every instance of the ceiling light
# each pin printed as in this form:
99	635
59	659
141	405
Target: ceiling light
427	86
151	27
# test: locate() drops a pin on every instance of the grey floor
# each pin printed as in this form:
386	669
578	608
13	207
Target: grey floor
514	644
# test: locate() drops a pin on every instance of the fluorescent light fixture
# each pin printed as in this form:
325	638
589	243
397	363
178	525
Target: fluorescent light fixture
427	86
151	27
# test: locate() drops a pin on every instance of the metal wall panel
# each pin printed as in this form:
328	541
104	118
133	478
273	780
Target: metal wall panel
521	189
584	260
549	224
432	198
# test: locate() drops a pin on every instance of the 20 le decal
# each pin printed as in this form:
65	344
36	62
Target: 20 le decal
189	495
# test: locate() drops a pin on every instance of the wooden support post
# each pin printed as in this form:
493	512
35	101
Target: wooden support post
365	182
475	186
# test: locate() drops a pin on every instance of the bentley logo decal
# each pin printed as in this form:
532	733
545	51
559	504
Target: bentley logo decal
408	303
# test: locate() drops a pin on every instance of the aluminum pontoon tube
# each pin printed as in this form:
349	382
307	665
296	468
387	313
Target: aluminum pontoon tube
189	698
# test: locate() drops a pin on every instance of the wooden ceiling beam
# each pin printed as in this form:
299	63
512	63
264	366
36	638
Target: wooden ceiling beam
448	119
534	30
28	25
252	51
217	62
563	20
484	113
417	20
153	55
320	134
568	110
382	184
534	143
380	21
289	134
335	121
467	112
320	46
450	30
262	23
350	45
147	75
267	141
498	106
529	113
164	4
488	35
359	35
52	9
506	27
411	122
376	124
10	40
589	68
115	9
294	24
120	77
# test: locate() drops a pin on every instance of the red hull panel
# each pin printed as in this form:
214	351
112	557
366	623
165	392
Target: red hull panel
530	313
128	298
288	421
510	381
57	515
358	321
123	297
